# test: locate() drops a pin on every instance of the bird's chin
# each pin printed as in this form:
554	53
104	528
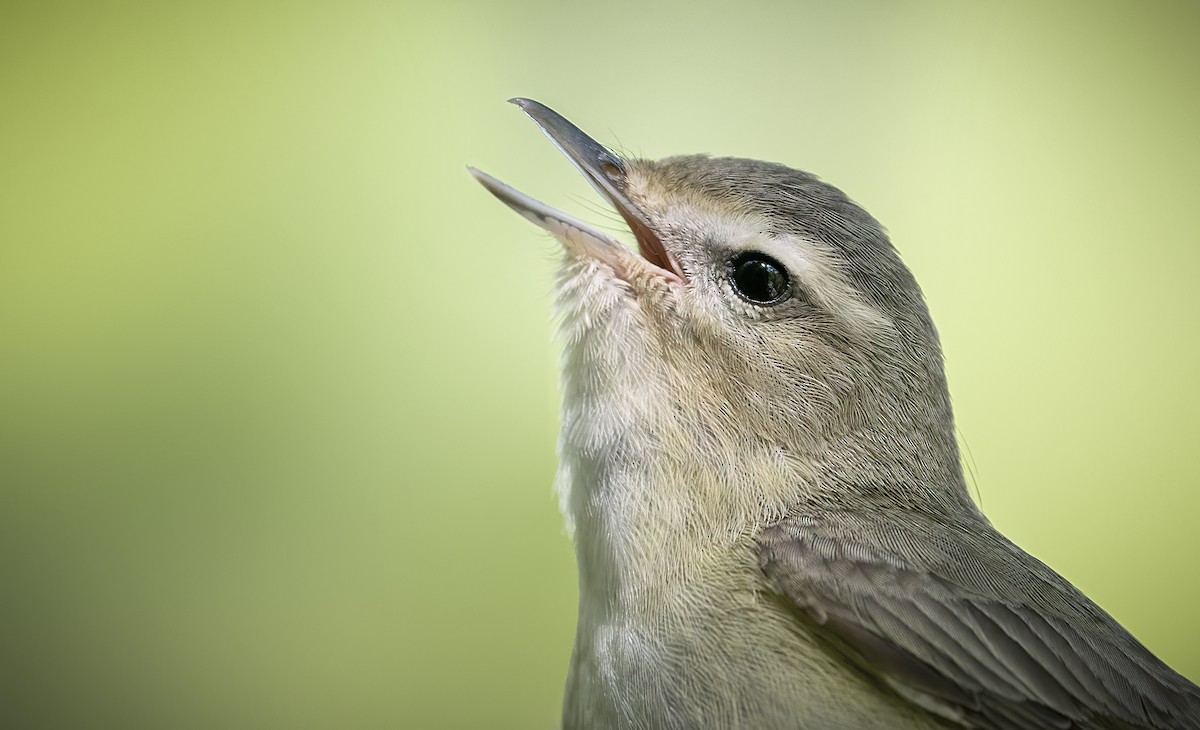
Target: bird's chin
631	275
590	293
604	311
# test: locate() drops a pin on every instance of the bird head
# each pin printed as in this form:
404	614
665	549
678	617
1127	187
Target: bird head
763	312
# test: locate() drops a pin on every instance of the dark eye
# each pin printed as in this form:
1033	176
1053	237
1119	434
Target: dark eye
759	278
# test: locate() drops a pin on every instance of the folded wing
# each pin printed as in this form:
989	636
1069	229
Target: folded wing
956	619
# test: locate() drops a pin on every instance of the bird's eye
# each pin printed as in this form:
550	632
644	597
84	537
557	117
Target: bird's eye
758	278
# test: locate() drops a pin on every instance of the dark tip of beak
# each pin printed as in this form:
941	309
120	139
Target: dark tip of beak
593	159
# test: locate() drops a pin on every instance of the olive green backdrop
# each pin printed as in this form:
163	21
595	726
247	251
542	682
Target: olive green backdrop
277	387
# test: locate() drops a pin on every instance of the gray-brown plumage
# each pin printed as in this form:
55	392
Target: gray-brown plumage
759	465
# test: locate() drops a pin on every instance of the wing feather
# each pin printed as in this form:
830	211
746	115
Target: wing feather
963	623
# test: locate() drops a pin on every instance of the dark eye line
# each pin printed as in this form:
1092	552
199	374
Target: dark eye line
758	278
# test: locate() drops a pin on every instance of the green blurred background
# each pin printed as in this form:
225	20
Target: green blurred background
277	389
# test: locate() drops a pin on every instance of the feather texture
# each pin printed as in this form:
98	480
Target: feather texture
956	618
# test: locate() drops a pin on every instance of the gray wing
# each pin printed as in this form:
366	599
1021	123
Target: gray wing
958	620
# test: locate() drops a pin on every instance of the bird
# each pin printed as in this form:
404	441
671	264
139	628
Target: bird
759	467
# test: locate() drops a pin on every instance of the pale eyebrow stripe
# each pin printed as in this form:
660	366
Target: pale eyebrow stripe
826	284
818	270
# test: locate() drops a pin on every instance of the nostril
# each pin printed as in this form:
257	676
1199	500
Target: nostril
611	169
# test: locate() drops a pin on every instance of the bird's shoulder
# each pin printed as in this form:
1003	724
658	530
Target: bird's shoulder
957	619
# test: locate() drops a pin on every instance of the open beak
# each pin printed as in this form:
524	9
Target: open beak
606	172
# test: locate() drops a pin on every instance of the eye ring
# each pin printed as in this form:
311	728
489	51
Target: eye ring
758	278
